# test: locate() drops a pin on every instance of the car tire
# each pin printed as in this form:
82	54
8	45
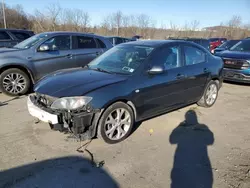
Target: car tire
111	127
210	95
22	82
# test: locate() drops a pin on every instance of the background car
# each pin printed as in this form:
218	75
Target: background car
130	82
237	62
30	60
118	40
11	37
203	42
225	46
215	42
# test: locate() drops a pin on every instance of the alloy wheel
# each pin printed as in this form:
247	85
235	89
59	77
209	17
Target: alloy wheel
14	83
211	94
117	124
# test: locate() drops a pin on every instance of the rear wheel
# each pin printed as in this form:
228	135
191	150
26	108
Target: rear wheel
14	82
116	123
210	95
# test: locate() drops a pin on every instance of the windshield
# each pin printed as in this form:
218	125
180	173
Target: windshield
243	46
228	44
31	41
121	59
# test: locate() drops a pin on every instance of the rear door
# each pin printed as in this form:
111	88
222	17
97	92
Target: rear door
85	49
196	71
59	57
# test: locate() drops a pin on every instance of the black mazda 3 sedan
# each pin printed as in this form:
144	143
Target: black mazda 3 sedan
128	83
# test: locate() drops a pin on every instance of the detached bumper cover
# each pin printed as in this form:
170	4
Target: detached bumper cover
41	114
236	75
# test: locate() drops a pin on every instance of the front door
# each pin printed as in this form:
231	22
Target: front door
58	57
161	92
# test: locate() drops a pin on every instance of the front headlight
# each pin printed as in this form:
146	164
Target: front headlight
71	103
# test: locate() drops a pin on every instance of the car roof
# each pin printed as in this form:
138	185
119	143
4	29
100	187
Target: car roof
71	33
153	43
116	37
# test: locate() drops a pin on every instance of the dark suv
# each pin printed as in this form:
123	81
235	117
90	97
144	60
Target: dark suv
118	40
28	61
11	37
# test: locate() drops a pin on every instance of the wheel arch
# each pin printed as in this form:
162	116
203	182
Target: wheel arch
18	66
128	102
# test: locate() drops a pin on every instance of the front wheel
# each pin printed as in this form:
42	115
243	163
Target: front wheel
14	82
116	123
210	95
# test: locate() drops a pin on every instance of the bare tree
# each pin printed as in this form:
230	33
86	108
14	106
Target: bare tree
75	19
53	13
15	17
117	21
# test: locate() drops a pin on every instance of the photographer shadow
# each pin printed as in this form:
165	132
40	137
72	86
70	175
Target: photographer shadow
192	167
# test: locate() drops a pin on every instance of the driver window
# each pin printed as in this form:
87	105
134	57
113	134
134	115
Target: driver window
168	57
61	42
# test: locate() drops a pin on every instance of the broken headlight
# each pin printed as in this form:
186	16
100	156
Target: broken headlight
71	103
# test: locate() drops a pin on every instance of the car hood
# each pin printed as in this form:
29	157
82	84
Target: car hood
3	50
235	55
75	82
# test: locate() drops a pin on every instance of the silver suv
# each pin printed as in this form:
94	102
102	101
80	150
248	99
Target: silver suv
25	63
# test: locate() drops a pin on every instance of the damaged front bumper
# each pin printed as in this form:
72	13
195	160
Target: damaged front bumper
81	123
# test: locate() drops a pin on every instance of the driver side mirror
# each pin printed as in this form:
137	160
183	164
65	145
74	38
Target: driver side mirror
156	70
43	48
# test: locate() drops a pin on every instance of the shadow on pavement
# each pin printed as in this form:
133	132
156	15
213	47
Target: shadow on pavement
72	171
7	101
192	167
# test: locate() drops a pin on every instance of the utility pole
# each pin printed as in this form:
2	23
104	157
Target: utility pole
4	19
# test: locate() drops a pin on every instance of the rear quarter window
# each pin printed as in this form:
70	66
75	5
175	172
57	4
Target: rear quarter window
20	35
4	36
101	44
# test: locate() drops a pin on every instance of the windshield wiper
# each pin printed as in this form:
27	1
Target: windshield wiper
102	70
98	69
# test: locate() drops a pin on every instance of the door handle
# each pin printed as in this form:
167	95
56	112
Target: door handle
98	53
69	56
205	70
180	76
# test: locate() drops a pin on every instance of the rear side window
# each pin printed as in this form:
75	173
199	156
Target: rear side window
20	35
101	44
4	36
194	55
85	42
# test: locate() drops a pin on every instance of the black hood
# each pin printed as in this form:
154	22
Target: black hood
235	54
75	82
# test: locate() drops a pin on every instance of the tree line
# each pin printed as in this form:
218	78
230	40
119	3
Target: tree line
56	18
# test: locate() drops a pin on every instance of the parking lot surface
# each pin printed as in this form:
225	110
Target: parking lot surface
210	151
